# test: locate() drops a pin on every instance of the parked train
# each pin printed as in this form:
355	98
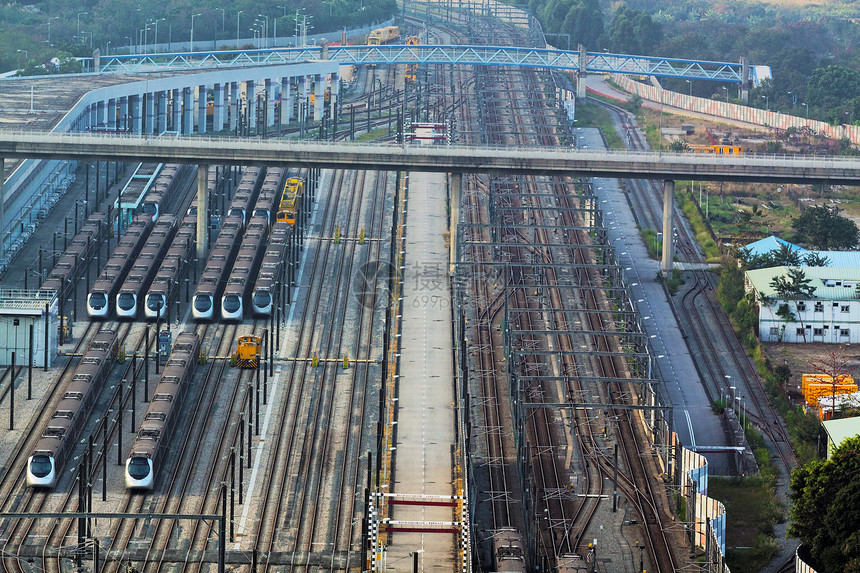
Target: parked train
508	550
84	243
246	193
144	268
270	194
271	272
153	437
220	262
173	269
101	298
238	289
60	436
383	35
170	177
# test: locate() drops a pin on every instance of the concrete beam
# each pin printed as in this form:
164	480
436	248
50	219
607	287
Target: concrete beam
433	158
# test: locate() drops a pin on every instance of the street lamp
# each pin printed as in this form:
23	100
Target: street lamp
266	31
766	102
192	32
155	42
239	13
26	56
107	48
727	93
806	105
79	21
49	26
223	13
691	87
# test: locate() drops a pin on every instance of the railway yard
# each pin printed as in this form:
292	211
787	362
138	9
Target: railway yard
326	390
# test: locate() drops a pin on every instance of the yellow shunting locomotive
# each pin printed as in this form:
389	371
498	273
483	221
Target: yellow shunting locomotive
247	353
291	196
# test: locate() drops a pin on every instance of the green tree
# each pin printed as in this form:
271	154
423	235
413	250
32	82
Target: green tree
825	508
793	287
830	86
826	229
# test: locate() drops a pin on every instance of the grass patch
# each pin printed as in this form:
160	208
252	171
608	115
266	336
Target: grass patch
654	246
697	222
753	511
589	115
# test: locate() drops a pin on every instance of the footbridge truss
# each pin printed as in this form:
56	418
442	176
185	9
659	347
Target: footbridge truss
573	61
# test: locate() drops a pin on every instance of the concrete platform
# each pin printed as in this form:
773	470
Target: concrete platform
425	430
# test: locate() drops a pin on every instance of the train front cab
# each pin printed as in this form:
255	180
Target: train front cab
232	307
156	306
98	305
138	472
204	307
261	302
126	305
41	471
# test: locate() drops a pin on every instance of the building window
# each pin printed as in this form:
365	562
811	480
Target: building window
819	307
818	332
799	332
801	306
774	331
844	308
843	332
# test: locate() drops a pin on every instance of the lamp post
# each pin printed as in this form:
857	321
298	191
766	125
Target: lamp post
26	55
239	13
191	46
727	94
223	14
691	87
766	102
49	26
265	31
91	37
107	48
155	41
806	105
79	21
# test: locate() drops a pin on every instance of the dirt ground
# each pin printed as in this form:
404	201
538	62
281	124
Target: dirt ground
800	358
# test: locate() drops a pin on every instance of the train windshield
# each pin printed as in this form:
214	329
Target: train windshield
138	468
154	302
202	303
150	209
125	301
262	299
231	303
40	465
98	300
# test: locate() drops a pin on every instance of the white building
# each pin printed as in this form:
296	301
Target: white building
831	315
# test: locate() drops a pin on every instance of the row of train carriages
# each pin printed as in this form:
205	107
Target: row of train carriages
257	246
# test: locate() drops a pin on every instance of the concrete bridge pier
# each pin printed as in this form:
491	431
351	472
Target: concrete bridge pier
454	194
251	98
235	104
2	207
286	101
319	90
668	226
202	210
581	75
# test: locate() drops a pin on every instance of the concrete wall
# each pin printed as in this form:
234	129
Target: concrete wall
734	111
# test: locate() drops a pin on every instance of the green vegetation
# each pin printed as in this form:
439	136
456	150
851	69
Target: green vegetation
753	511
825	508
697	222
595	116
812	53
32	34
